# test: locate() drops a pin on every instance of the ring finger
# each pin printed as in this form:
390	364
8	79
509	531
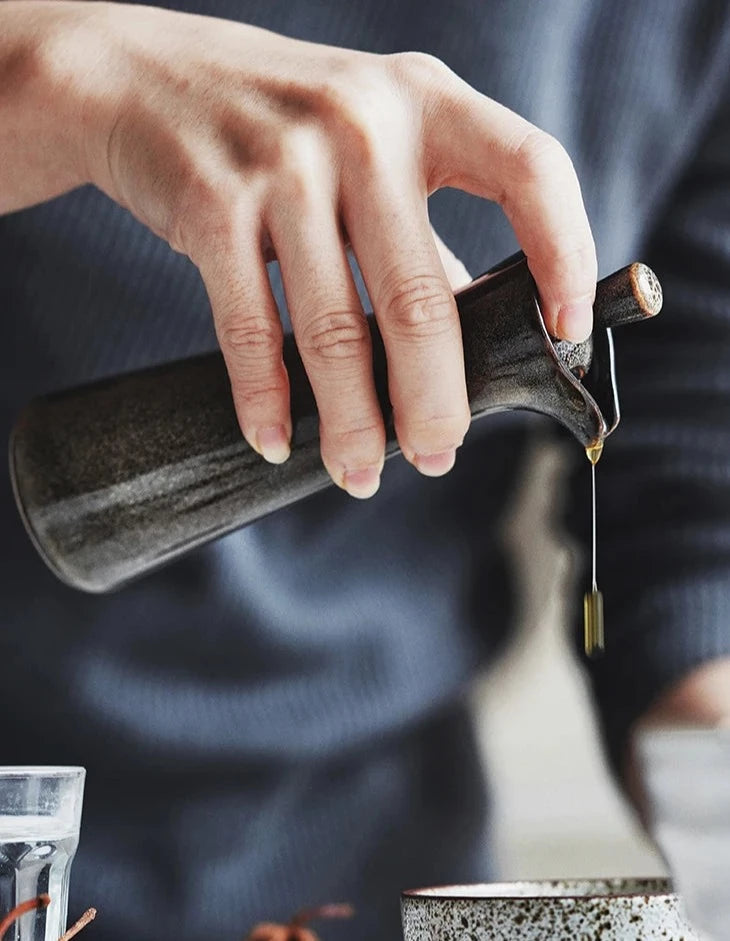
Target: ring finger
332	336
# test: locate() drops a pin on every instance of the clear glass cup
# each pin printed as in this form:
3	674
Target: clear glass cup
40	816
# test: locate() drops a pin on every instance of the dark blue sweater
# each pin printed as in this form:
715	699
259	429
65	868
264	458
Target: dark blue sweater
279	719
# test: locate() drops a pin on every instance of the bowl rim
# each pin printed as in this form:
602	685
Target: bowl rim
642	887
41	771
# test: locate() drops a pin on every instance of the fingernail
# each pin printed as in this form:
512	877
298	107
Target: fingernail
273	444
362	483
575	321
434	465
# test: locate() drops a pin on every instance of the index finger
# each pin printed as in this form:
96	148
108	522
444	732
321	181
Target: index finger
478	145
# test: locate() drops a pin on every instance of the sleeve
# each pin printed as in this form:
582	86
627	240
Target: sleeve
663	482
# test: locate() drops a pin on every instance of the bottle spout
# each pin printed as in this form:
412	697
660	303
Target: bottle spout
629	296
512	362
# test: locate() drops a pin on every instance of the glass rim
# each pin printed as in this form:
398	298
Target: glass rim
41	771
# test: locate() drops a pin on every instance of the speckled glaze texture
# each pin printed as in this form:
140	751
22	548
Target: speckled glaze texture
575	910
117	478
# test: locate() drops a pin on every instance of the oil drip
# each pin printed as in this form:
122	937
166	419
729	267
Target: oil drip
593	599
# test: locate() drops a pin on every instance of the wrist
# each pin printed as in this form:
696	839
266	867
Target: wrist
76	59
50	53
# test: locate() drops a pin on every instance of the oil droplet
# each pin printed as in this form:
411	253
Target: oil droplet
593	623
594	451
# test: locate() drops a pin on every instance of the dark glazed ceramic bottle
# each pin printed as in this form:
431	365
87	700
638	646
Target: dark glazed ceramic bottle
116	478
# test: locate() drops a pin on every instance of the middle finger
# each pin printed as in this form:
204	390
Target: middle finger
387	220
332	337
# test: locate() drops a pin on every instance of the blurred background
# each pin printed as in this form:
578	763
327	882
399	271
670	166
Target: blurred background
557	809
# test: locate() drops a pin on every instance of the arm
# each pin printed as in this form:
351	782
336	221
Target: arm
235	144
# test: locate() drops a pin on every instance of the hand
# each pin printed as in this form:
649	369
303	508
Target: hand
236	145
702	699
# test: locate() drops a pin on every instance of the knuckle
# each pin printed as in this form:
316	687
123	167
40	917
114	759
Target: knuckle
577	262
573	270
364	436
437	432
360	106
250	338
257	397
337	336
297	146
420	68
356	444
420	305
350	86
536	155
363	136
296	165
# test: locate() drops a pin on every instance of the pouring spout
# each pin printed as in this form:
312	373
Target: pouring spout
513	363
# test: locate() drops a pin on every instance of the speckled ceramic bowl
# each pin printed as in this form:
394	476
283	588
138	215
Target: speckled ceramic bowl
569	910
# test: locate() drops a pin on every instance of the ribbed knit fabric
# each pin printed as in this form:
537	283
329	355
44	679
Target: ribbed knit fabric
278	719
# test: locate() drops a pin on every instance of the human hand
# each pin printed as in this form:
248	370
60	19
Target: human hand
701	699
235	145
